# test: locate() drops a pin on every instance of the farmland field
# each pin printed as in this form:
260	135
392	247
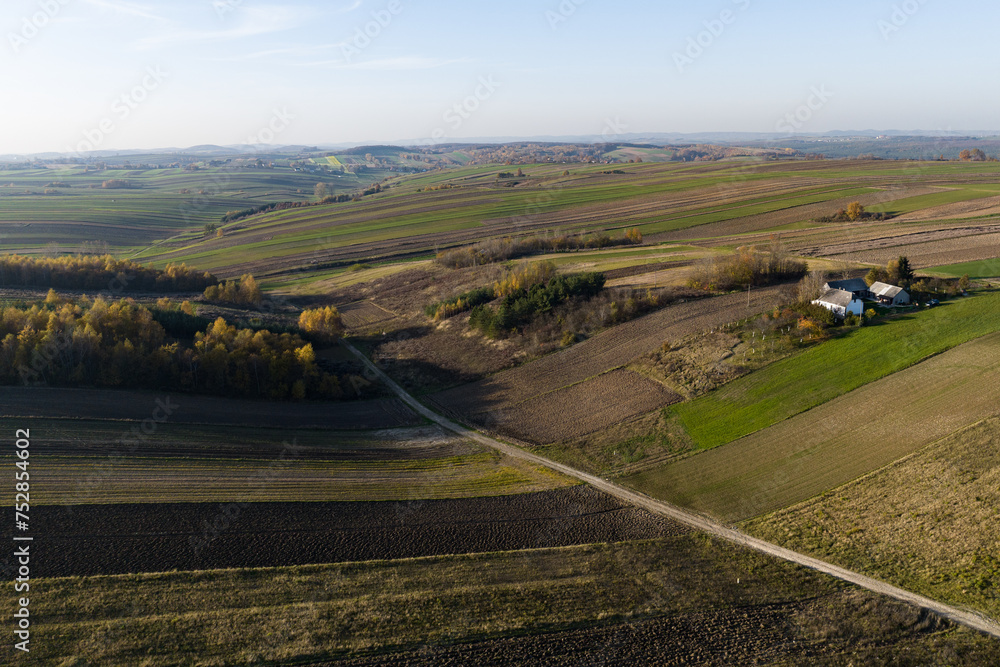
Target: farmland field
539	381
580	408
838	441
925	522
819	374
254	532
124	538
108	404
684	598
985	269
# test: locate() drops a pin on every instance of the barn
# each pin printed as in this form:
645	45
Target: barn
841	303
889	295
856	286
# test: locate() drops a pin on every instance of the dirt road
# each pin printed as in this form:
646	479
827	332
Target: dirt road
698	522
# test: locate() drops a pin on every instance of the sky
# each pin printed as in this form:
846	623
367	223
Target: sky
78	75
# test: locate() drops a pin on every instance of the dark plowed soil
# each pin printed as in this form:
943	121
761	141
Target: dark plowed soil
736	637
866	631
190	409
118	539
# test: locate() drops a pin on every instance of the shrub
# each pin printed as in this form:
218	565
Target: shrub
244	292
324	324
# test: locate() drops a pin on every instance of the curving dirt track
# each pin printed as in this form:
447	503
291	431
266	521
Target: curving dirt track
698	522
116	539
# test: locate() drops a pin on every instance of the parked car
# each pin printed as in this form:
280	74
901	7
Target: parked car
933	302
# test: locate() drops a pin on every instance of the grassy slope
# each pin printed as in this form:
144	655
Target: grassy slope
826	371
926	523
987	268
316	612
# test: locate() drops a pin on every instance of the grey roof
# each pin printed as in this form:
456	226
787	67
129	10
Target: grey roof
853	285
837	297
886	290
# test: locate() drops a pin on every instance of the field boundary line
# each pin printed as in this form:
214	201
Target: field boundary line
970	619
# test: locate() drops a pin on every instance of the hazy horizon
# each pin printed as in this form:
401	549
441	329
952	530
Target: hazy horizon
114	75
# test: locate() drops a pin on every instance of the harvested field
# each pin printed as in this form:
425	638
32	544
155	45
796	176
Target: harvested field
364	314
430	358
890	236
838	441
75	481
675	598
927	522
579	409
983	207
934	253
113	539
49	402
604	352
82	438
767	221
788	633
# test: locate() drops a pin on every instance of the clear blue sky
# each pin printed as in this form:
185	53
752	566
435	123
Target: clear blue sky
229	64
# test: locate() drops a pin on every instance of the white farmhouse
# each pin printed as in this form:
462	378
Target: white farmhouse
889	295
841	302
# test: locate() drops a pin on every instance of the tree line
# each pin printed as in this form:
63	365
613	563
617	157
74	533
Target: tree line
98	273
121	344
492	251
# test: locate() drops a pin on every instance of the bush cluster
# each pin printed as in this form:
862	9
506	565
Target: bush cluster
748	266
518	307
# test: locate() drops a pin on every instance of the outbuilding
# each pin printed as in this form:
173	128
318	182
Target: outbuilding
856	286
889	295
841	302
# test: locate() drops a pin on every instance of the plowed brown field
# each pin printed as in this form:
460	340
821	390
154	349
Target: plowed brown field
581	408
110	404
539	381
113	539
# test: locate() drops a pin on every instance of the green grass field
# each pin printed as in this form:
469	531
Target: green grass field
988	268
836	367
839	441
